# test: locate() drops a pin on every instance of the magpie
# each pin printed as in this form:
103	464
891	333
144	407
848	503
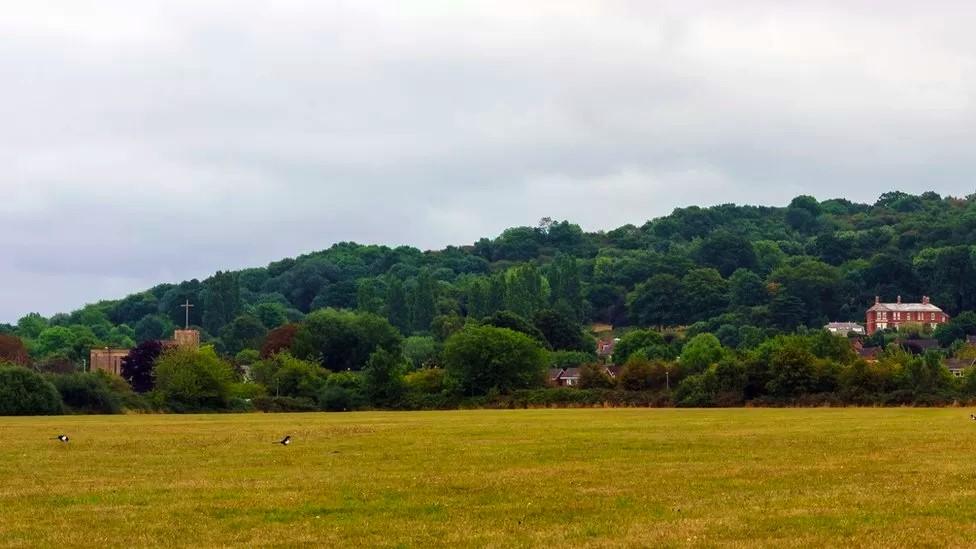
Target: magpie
972	417
285	441
63	438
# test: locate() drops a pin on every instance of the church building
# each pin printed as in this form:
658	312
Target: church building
110	360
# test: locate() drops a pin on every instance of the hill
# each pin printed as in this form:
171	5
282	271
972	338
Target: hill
726	269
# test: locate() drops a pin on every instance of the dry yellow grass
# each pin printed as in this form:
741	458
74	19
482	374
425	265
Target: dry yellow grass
598	478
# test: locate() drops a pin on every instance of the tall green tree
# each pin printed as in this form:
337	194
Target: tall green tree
525	290
221	301
657	302
423	302
344	340
483	358
397	310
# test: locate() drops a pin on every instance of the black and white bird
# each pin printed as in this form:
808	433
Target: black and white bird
285	441
972	417
63	438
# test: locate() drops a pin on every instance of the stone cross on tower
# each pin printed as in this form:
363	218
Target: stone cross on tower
187	307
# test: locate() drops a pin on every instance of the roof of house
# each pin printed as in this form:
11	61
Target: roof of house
869	352
849	326
554	373
959	363
605	346
570	372
906	307
918	345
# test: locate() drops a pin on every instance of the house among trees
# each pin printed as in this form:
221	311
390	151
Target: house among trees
604	347
109	360
869	354
958	366
893	315
566	377
570	377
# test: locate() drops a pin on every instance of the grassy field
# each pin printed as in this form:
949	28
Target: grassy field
795	477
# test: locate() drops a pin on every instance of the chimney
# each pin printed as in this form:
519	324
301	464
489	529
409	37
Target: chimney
877	299
925	300
899	299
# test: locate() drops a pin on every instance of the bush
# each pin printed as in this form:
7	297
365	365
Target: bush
340	399
640	374
696	391
247	391
190	379
283	404
595	376
383	379
27	393
285	375
130	399
428	381
343	392
87	392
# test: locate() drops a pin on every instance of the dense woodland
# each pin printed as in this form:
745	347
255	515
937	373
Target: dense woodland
743	289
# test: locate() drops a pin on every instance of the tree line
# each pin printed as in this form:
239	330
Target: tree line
744	274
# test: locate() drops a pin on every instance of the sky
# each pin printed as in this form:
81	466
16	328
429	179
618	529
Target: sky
144	142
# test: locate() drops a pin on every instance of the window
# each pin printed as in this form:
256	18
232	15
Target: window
933	316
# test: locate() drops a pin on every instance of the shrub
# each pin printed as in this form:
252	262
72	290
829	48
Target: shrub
192	379
696	391
247	391
427	381
285	375
594	376
25	393
88	392
283	404
383	379
340	399
640	374
12	350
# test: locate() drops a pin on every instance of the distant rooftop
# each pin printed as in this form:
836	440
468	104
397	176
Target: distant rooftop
924	307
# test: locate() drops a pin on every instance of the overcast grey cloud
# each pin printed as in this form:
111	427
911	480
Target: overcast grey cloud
144	142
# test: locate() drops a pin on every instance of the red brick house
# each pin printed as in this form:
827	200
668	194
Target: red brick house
893	315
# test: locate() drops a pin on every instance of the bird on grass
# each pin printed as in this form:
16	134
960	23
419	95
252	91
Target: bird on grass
62	438
972	417
285	441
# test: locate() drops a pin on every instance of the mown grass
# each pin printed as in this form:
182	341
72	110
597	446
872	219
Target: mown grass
636	477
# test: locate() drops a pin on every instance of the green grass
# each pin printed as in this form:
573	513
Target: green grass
640	477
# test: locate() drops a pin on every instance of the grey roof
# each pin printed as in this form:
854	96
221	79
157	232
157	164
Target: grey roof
959	363
906	307
842	325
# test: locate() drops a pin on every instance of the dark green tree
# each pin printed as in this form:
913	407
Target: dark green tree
343	340
26	393
397	310
221	301
657	302
422	302
483	358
